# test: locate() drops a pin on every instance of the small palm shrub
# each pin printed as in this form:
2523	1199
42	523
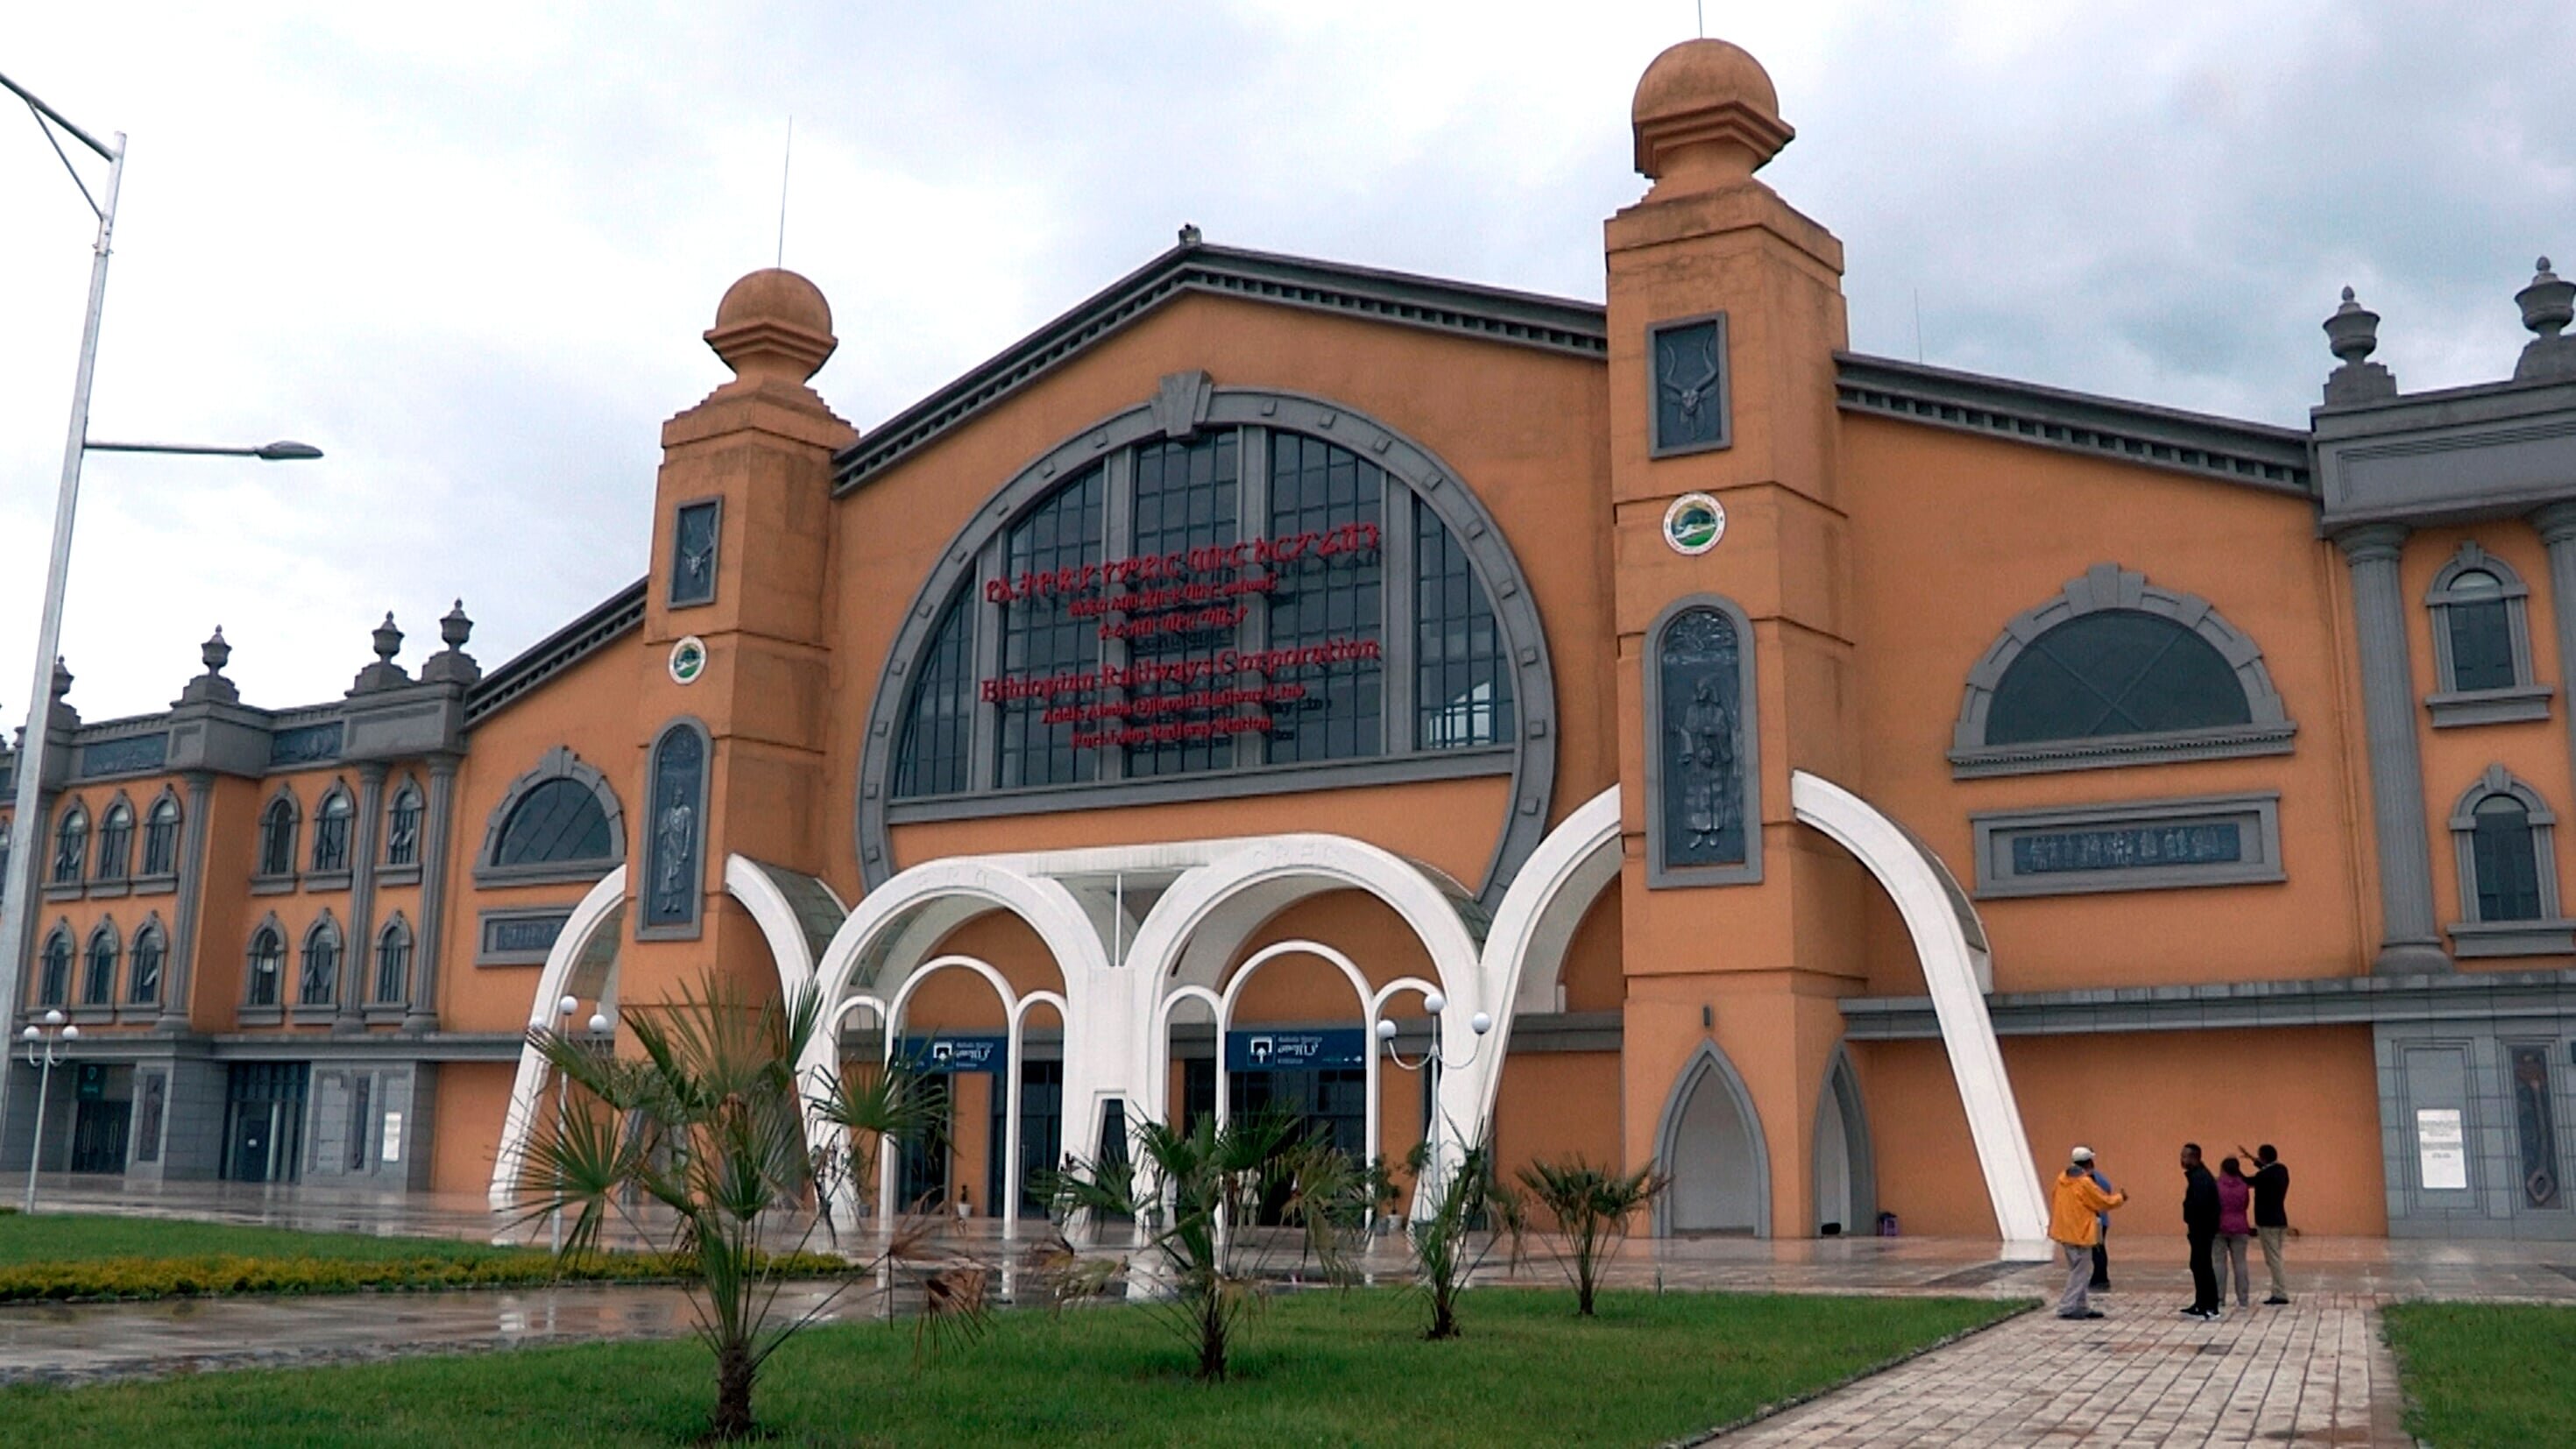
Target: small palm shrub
1591	1206
1470	1213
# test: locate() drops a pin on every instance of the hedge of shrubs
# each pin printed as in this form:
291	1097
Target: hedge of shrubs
102	1278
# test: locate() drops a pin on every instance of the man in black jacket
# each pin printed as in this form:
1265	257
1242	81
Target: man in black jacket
2200	1226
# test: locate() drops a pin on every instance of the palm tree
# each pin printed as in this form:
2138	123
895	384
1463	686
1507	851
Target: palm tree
1592	1207
1470	1213
709	1124
1195	1194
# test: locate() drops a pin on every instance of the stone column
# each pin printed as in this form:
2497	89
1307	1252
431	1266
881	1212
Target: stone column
429	940
362	898
2409	940
2557	525
179	977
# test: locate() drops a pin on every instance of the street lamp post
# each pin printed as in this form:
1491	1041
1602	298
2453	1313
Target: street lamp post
53	1035
30	767
1434	1063
564	1011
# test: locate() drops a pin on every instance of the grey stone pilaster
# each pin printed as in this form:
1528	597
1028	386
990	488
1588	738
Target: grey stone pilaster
31	855
2557	525
430	939
2409	941
356	968
179	977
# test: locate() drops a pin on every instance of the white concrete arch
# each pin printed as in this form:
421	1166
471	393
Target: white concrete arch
920	907
1015	1012
1208	914
1951	945
604	908
774	914
1524	955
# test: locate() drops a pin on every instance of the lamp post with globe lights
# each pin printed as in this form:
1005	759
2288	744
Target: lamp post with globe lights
1433	1063
52	1035
30	764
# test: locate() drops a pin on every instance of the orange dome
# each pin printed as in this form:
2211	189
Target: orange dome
774	294
1712	98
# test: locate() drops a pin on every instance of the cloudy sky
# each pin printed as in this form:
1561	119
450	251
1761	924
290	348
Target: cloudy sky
468	248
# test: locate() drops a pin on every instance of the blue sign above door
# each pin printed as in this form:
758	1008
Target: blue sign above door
936	1054
1295	1051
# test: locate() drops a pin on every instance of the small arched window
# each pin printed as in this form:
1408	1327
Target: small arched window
71	847
2116	671
318	982
393	962
402	828
161	837
556	822
151	951
331	833
54	981
115	841
277	837
2501	833
98	981
2481	644
264	967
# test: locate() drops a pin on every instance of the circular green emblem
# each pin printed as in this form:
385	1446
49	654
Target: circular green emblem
688	660
1694	524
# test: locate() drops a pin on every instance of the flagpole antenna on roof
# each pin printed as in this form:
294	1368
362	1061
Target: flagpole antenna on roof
786	160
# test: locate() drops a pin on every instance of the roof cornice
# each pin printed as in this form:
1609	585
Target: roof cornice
2256	455
556	652
1492	314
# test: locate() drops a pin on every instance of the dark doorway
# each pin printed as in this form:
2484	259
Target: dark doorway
98	1136
1041	1136
1330	1104
922	1184
264	1120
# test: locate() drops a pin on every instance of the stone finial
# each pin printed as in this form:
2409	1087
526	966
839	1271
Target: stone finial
452	665
384	673
1189	233
2548	305
62	716
773	325
62	677
211	687
388	639
1705	116
2352	333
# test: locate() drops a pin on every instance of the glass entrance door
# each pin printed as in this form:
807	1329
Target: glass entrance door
1041	1137
264	1120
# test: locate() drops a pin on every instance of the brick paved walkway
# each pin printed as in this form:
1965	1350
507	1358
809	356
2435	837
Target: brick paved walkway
2314	1373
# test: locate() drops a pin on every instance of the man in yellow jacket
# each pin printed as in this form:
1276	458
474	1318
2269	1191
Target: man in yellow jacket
2075	1214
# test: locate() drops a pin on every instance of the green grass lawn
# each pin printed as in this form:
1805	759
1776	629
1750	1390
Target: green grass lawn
78	1237
1313	1369
2486	1375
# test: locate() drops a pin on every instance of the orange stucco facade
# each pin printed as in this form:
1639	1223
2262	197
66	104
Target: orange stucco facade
1628	629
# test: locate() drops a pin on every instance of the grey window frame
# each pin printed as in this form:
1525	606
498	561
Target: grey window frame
2103	587
557	763
101	1003
1182	405
2451	706
264	881
252	1010
333	873
397	933
1657	447
54	990
151	932
390	871
324	929
112	856
2551	934
1748	747
689	929
67	870
174	835
715	561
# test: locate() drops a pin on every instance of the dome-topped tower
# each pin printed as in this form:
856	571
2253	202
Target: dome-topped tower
773	324
1706	116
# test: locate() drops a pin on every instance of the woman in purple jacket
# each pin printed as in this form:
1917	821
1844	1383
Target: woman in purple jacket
2234	1195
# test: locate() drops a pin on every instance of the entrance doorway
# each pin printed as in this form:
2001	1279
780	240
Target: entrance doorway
923	1183
98	1136
1711	1144
1041	1136
264	1120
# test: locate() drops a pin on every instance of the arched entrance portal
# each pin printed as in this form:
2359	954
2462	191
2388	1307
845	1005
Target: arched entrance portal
1711	1146
1846	1186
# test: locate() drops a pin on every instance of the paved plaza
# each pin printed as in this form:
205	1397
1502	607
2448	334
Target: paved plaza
2315	1373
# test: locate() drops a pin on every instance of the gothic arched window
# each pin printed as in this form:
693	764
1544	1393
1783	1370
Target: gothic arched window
318	982
277	836
115	841
331	832
402	828
54	981
2482	670
71	846
161	837
263	967
151	953
558	822
2501	834
393	962
98	979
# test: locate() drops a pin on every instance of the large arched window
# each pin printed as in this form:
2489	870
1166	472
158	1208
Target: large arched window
2116	671
151	953
54	978
331	832
98	977
71	846
277	836
115	841
264	966
2508	869
558	822
317	983
161	837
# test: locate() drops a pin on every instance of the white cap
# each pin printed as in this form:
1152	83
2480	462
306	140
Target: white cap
2080	1154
